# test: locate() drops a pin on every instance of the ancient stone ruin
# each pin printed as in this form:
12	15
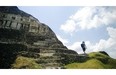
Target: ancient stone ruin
23	35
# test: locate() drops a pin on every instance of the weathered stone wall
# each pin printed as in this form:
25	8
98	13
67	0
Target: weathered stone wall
18	22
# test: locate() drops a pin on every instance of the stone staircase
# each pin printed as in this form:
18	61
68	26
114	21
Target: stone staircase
48	59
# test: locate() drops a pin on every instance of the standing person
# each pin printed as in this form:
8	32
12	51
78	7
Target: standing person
83	46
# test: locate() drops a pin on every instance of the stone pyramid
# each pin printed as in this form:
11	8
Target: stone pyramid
21	34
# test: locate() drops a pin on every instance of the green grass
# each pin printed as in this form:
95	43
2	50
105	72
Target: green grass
98	55
96	61
93	63
25	63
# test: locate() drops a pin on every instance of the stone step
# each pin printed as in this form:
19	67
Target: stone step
29	54
51	65
48	61
51	57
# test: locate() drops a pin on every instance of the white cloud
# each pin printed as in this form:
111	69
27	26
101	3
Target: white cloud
108	45
69	27
90	17
64	41
75	46
93	17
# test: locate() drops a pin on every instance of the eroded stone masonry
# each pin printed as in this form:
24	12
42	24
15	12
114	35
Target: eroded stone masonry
23	35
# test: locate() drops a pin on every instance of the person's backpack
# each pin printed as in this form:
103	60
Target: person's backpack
83	45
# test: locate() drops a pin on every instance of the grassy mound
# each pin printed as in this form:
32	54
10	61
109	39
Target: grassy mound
25	63
96	60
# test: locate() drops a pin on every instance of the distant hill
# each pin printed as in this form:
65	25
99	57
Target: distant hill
95	60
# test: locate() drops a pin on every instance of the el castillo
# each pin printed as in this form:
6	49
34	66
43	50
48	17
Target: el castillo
26	43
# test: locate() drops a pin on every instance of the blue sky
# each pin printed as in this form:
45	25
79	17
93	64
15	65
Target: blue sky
72	25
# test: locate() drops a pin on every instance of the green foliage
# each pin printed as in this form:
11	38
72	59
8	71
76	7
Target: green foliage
24	62
99	56
112	63
96	61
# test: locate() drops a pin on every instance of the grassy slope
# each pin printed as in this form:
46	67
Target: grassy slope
24	62
96	61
